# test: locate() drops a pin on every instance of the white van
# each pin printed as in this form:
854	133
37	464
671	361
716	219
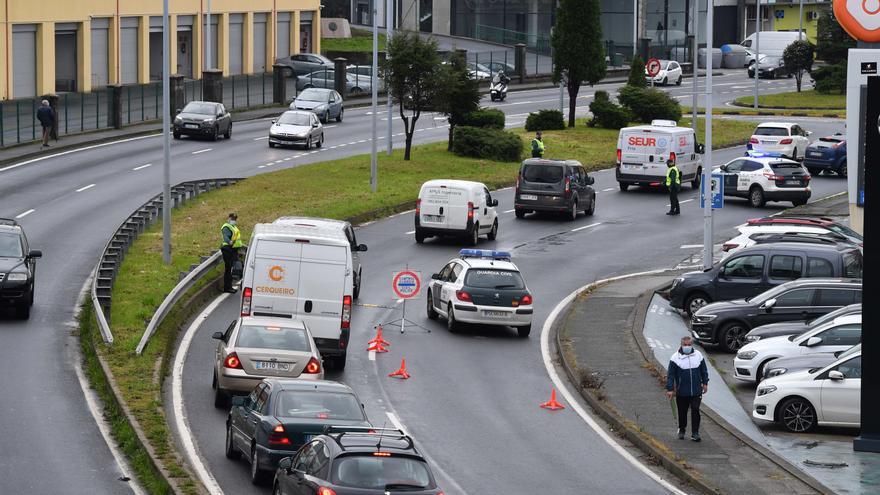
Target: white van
772	43
455	208
303	271
642	152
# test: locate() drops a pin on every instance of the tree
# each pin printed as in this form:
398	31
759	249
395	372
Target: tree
831	40
637	73
458	94
578	48
798	58
411	78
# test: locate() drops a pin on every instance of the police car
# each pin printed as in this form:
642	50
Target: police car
483	287
762	176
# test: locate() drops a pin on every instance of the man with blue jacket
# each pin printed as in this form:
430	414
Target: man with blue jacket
687	378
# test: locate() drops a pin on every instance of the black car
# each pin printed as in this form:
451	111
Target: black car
18	264
797	327
351	462
561	186
203	118
279	416
727	323
758	268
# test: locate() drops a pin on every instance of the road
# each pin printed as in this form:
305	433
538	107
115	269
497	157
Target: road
70	219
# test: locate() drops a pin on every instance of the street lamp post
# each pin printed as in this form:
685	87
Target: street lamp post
757	48
635	27
800	18
707	157
374	163
208	38
696	64
389	24
166	141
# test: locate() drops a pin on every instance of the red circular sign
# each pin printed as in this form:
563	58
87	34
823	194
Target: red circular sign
653	67
406	284
859	18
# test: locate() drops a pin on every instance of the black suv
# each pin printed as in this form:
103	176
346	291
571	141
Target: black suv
758	268
561	186
727	323
18	264
356	461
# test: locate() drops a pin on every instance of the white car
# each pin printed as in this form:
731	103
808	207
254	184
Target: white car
670	73
804	399
482	287
787	139
746	231
761	177
837	335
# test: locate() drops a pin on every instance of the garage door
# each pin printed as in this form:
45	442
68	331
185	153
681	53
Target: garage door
100	52
24	60
128	50
210	45
236	27
259	43
282	36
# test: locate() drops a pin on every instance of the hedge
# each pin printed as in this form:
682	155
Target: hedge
607	114
490	144
545	120
647	104
488	118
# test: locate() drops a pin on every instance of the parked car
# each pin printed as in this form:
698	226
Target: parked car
479	71
559	186
818	222
495	66
364	74
837	335
770	67
827	154
18	268
758	268
304	63
325	103
670	72
203	118
345	461
805	399
459	208
797	327
296	128
727	323
781	366
749	235
763	177
354	85
254	348
279	416
788	139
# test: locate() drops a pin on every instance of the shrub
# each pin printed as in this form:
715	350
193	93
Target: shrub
648	104
830	78
489	118
637	73
544	120
608	115
601	95
491	144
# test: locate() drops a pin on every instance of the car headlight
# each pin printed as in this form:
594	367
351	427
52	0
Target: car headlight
769	389
747	355
321	107
676	282
16	277
208	122
775	372
177	120
753	338
704	318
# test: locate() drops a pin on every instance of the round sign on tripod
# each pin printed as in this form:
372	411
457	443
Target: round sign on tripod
653	67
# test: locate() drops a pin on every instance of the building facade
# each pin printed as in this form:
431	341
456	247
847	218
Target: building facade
52	46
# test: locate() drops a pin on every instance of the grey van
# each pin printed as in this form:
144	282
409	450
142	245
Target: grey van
561	186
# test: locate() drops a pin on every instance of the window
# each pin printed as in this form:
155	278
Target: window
273	337
494	279
488	197
751	166
851	368
786	267
745	267
818	267
582	174
456	271
262	401
446	272
304	459
319	467
228	332
252	398
795	298
545	174
842	335
771	131
10	246
735	166
318	405
852	264
371	472
836	297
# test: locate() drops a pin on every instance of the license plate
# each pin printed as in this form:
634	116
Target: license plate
433	218
631	167
191	126
496	314
271	366
793	182
815	153
768	142
528	197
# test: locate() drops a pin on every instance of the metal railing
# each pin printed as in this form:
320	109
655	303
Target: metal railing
539	43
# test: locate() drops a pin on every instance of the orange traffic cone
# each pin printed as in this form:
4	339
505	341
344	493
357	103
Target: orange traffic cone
377	347
378	339
552	404
401	373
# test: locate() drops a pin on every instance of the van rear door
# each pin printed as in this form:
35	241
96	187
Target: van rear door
276	277
644	152
444	207
322	286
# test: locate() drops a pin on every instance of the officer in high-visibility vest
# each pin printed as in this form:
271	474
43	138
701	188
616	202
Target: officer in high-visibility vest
673	184
538	146
229	246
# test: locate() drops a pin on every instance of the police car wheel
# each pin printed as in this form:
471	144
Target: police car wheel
524	332
756	197
271	144
432	313
451	324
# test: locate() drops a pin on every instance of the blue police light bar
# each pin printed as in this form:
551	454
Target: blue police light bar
764	154
484	254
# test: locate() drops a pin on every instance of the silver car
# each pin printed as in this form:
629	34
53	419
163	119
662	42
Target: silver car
355	84
253	348
296	128
325	103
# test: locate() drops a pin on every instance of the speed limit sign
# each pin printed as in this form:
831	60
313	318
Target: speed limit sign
653	67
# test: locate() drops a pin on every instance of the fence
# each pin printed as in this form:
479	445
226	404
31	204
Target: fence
538	43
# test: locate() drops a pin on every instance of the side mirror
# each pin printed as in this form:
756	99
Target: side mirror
274	120
217	335
590	181
724	168
285	464
809	133
362	248
35	253
813	341
836	375
176	111
435	276
494	202
238	401
315	125
701	149
768	304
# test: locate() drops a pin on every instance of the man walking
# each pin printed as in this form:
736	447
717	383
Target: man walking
229	246
673	184
538	146
687	379
46	116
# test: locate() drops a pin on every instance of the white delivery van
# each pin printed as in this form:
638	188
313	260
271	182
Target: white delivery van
771	43
304	271
455	208
642	152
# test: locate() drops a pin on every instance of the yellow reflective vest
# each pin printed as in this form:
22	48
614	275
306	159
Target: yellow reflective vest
669	176
235	236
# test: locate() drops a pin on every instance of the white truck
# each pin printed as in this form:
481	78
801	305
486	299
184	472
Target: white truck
448	207
642	152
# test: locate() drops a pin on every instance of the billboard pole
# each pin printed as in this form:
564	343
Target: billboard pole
707	157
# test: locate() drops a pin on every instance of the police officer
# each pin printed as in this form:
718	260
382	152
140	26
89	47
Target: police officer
673	184
538	146
229	246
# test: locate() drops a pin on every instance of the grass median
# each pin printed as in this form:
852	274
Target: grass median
335	189
804	100
361	41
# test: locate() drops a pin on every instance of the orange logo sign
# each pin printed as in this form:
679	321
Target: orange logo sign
859	18
276	273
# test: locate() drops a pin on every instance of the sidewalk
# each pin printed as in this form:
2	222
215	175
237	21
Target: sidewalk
598	338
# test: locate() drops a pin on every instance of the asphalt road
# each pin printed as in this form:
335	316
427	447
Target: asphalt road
71	202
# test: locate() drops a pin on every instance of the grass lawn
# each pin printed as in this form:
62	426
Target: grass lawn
361	41
807	100
336	189
778	112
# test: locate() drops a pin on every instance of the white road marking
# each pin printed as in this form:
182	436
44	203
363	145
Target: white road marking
202	151
85	188
262	166
509	211
85	148
329	126
411	232
608	189
278	161
177	403
362	141
288	159
684	201
690	246
342	145
22	215
586	226
269	164
143	166
261	138
371	355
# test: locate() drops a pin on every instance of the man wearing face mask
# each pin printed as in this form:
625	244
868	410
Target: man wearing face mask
229	246
687	378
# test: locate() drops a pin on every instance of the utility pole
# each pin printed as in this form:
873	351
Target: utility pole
707	157
800	18
696	13
374	159
757	48
208	38
635	27
166	140
389	24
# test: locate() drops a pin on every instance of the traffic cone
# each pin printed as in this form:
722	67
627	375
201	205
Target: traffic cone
552	404
401	373
376	347
378	339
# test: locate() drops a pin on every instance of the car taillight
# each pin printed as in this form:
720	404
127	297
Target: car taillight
772	176
418	206
672	157
518	178
278	436
313	367
323	490
382	454
807	178
728	246
567	186
526	300
246	301
462	296
232	361
786	141
346	312
470	210
753	140
618	156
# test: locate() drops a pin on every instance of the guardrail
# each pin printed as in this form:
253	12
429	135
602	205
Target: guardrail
116	248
